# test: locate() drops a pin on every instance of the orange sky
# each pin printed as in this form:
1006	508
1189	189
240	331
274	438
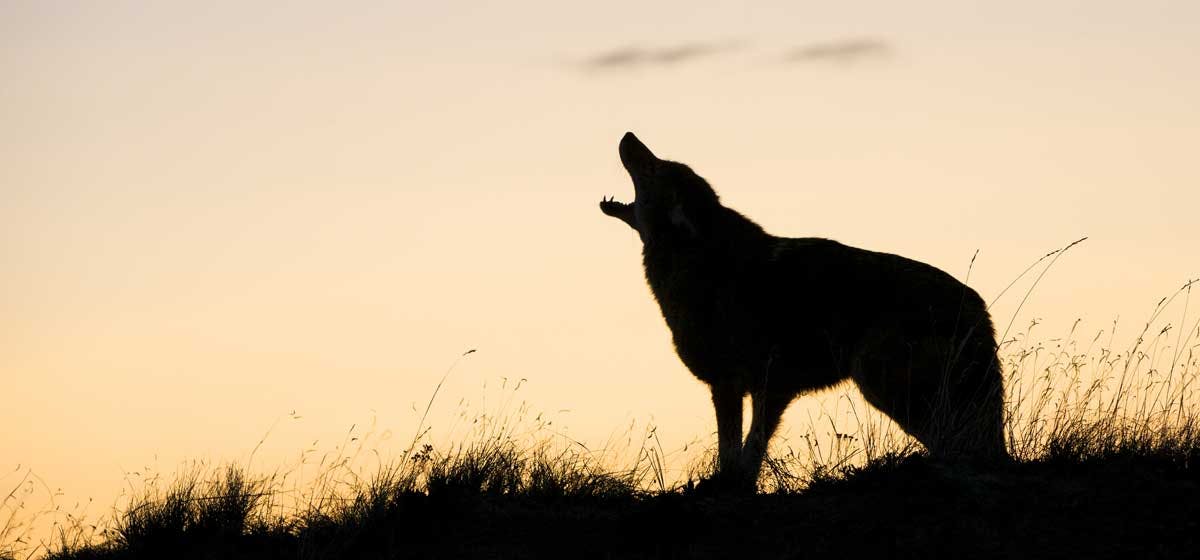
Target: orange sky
214	215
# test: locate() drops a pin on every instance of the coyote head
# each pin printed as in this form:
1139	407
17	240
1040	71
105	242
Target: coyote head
670	200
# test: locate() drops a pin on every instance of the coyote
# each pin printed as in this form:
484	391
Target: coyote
776	317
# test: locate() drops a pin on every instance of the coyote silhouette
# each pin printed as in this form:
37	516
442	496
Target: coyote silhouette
775	317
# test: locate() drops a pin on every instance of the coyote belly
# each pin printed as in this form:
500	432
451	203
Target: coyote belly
774	317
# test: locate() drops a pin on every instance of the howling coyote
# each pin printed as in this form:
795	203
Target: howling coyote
775	317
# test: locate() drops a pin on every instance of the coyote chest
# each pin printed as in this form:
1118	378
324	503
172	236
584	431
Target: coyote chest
716	316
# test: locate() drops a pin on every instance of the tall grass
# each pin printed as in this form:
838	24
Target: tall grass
1075	402
226	508
1072	402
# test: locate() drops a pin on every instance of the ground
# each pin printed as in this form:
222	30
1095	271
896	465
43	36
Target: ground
910	507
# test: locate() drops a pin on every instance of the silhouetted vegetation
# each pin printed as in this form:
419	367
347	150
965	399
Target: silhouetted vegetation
1105	447
1109	496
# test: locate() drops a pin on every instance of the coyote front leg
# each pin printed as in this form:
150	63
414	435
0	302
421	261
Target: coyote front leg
727	400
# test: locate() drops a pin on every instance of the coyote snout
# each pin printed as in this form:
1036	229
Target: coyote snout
775	317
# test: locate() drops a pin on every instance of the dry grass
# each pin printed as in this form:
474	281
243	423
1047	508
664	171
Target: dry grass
1075	406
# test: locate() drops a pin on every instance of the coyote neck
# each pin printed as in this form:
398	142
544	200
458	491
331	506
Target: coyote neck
694	271
705	290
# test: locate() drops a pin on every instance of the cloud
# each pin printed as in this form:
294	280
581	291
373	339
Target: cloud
630	57
841	51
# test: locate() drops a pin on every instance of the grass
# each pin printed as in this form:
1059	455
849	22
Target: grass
1105	446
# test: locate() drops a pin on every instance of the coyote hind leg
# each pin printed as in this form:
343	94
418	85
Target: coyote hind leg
952	401
768	410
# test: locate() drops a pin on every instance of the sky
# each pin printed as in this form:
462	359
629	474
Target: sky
219	220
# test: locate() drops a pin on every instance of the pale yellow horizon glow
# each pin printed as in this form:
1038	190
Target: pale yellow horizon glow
215	215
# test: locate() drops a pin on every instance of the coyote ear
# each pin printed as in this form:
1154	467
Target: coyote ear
680	219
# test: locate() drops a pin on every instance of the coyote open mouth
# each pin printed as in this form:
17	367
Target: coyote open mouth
639	161
619	210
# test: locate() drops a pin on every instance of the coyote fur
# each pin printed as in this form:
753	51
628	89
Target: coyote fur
775	317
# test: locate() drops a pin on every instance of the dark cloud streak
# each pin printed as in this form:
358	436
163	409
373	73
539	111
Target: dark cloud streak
630	57
839	51
843	51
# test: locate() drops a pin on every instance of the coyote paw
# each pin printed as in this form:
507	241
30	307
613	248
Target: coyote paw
724	485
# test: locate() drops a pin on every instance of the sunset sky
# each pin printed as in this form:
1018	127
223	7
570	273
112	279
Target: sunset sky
214	215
